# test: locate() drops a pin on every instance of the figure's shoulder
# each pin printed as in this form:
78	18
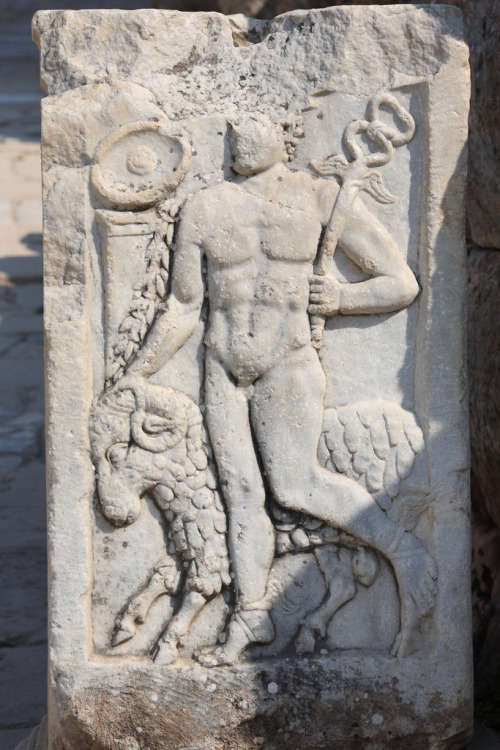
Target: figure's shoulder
204	208
308	180
315	192
214	194
225	190
199	202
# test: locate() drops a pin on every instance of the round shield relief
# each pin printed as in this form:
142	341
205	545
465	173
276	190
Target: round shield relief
139	164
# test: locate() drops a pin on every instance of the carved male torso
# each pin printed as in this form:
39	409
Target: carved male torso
258	268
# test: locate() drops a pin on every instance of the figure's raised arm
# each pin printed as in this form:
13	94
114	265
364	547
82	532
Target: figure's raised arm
392	285
173	325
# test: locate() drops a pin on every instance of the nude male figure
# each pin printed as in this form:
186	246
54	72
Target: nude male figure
264	384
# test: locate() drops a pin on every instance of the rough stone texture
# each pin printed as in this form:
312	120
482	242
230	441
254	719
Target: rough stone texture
484	355
265	9
335	641
482	21
482	29
257	8
484	368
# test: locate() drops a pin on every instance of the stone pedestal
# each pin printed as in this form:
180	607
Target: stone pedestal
257	418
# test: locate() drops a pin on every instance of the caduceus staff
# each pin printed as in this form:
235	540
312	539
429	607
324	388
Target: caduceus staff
359	174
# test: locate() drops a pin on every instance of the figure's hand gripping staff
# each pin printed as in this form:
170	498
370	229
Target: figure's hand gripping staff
358	175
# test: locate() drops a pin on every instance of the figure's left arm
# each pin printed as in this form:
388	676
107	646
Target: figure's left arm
392	285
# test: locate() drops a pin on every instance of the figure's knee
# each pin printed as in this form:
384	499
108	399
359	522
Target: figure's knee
290	493
301	490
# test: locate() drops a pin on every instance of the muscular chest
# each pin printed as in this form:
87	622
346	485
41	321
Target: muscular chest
248	227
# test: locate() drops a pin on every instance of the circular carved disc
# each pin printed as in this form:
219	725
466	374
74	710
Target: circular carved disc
139	164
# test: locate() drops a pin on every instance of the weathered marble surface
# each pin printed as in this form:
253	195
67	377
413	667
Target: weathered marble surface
256	540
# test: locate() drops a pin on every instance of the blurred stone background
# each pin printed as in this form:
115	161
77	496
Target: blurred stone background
23	569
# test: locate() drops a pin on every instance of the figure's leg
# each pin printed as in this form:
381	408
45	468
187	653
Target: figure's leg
249	528
165	651
287	416
250	531
340	588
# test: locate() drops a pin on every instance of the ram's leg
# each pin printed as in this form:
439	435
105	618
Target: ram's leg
165	651
138	607
340	588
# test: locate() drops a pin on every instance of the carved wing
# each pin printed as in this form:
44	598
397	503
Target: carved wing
380	445
336	165
375	186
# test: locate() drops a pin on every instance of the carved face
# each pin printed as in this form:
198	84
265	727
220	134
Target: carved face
256	144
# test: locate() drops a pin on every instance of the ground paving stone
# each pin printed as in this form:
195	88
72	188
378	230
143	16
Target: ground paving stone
23	686
23	589
10	738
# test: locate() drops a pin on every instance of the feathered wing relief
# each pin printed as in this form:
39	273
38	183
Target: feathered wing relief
380	445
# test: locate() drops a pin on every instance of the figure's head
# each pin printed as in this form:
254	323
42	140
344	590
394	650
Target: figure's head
256	143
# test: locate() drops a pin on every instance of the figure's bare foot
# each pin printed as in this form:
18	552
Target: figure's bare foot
245	627
416	573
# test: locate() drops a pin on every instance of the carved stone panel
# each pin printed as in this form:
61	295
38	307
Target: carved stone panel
256	399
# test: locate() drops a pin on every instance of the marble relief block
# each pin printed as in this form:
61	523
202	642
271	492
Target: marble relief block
257	432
